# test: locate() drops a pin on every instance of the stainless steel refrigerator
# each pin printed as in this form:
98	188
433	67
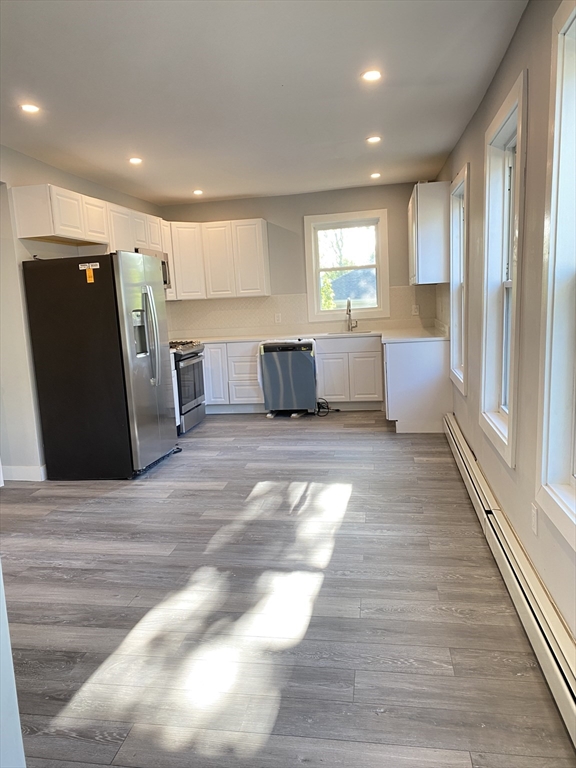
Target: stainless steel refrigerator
102	364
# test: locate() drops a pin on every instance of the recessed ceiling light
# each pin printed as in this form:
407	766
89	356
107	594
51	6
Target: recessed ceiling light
374	175
372	75
29	108
135	160
373	139
198	192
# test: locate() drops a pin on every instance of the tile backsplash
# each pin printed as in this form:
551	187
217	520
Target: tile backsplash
240	317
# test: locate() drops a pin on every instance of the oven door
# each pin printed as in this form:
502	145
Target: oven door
190	382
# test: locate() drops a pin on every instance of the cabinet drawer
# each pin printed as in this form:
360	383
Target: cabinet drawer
243	349
245	392
243	368
346	344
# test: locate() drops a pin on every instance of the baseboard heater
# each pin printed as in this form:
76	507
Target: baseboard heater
550	637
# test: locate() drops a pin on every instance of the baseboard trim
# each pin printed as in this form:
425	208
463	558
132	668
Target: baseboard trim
550	637
31	474
259	407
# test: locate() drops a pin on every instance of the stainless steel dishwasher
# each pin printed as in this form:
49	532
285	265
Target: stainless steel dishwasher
289	376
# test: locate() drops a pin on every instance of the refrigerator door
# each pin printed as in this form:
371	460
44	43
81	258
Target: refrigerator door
164	394
142	357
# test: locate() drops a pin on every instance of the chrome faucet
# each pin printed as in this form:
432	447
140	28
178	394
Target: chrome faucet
351	323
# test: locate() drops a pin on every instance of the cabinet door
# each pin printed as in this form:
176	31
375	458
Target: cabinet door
188	260
218	259
95	219
243	368
154	233
245	392
120	225
250	243
333	377
167	249
216	374
365	375
430	241
67	213
412	238
140	227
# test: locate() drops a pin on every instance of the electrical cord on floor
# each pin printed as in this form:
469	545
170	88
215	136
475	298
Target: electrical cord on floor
323	408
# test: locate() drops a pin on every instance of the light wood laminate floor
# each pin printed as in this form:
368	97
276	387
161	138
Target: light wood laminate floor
282	593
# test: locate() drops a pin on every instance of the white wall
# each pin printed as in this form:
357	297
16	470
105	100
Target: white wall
20	437
530	49
284	215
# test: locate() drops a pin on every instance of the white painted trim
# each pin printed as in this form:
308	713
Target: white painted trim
378	217
556	504
501	431
31	474
550	637
459	377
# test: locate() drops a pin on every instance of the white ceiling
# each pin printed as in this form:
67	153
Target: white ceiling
246	97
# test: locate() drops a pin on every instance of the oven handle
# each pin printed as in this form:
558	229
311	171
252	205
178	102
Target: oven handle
190	361
157	361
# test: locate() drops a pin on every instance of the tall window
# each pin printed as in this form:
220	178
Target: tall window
347	258
504	182
458	267
555	487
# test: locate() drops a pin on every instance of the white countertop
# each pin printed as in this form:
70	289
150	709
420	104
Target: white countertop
393	335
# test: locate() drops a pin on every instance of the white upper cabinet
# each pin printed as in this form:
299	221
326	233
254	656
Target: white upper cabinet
428	233
166	235
154	226
218	259
67	213
43	211
95	219
120	223
251	265
188	260
140	229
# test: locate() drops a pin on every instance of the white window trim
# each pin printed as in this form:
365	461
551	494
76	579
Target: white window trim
499	426
556	500
459	314
311	224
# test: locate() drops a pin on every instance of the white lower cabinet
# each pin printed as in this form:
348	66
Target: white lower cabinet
353	375
365	376
216	374
333	376
243	373
245	392
417	384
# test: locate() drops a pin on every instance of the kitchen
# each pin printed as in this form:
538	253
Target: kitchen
283	311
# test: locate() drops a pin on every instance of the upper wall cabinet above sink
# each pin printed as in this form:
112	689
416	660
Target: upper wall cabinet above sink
46	212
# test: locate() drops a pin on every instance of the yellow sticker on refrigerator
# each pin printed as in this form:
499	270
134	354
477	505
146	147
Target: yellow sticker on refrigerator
89	269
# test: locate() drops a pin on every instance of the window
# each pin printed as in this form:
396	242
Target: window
555	487
347	258
458	267
504	181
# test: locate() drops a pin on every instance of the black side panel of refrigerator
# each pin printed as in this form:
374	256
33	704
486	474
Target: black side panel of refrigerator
79	371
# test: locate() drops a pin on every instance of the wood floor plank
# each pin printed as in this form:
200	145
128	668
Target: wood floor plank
197	749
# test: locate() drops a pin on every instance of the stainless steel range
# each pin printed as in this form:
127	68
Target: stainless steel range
188	363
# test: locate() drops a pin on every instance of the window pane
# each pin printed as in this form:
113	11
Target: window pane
337	285
506	348
346	246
